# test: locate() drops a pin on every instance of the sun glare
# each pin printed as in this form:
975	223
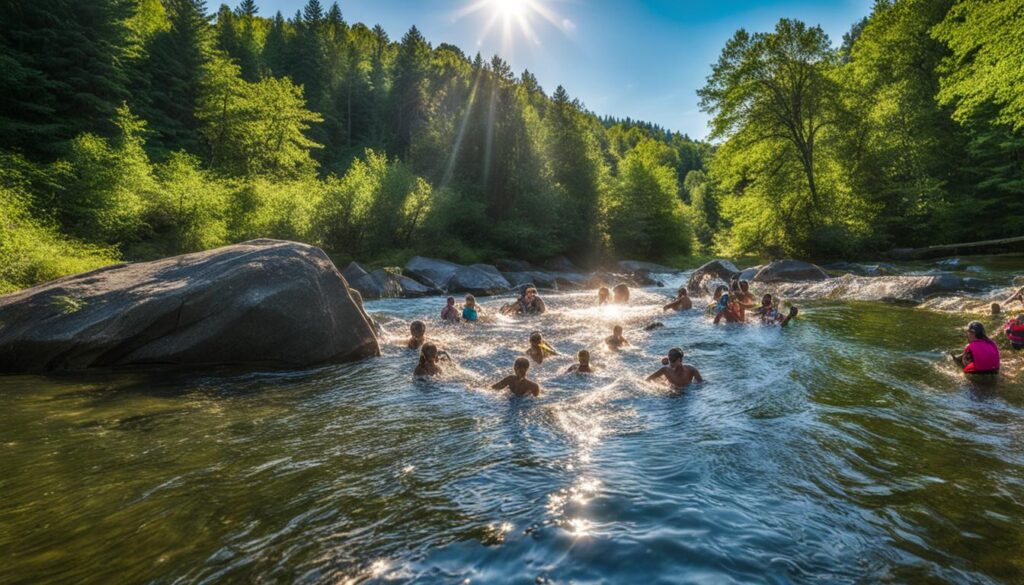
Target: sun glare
515	18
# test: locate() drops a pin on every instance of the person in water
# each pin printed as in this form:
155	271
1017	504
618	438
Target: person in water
981	356
517	383
529	303
726	308
745	297
418	331
678	374
616	341
582	365
1014	329
602	296
620	294
429	358
770	314
449	312
682	301
469	310
539	349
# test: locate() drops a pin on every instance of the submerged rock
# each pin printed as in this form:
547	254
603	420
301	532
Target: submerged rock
789	271
716	269
264	302
902	289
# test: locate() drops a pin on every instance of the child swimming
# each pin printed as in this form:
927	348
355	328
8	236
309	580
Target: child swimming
616	341
418	330
602	296
677	374
469	311
428	361
449	312
517	383
539	349
682	301
582	365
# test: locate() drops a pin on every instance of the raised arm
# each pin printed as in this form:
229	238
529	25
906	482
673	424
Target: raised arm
506	382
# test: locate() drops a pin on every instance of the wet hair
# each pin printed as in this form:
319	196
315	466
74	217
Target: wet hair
977	329
417	326
521	364
583	355
471	298
744	285
682	292
529	290
536	337
735	286
621	290
617	329
675	354
996	309
428	348
721	289
526	287
603	292
767	297
451	300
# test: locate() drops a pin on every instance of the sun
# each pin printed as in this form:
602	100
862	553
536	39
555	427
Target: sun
515	15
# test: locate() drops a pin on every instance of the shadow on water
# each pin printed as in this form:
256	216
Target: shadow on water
844	449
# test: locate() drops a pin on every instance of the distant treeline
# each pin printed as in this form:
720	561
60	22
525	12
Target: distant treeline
132	129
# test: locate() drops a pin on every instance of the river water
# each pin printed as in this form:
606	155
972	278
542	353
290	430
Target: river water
844	449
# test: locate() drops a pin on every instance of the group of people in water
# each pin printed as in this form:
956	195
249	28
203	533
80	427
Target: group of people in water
730	303
981	354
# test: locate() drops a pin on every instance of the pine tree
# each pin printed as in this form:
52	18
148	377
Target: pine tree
247	9
407	93
60	70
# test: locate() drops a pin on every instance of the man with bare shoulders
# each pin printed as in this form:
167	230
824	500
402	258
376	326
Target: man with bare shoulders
517	383
677	374
682	302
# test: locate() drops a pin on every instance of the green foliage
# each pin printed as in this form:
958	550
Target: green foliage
986	38
188	211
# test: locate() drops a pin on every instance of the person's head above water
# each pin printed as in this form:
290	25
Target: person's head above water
521	366
996	309
451	301
470	301
417	328
682	292
766	300
602	293
617	331
720	290
621	292
744	286
675	355
975	330
583	357
536	338
428	354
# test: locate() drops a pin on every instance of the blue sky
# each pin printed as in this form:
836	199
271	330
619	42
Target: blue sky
643	58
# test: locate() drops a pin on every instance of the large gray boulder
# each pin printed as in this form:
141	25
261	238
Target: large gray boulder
789	271
749	273
386	284
431	272
477	281
539	279
716	269
265	302
353	272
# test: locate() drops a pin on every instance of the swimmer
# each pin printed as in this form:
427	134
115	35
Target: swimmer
1015	332
418	330
981	356
539	349
616	341
602	296
677	374
620	294
682	301
469	310
770	314
582	365
746	298
726	308
428	361
529	303
996	309
517	383
449	312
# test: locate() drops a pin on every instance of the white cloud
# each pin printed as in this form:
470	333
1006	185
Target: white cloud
568	25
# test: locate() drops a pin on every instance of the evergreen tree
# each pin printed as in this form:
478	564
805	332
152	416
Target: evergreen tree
408	91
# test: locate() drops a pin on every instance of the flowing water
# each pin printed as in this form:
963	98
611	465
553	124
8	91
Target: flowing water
844	449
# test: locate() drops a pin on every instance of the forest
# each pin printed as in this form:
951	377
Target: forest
137	129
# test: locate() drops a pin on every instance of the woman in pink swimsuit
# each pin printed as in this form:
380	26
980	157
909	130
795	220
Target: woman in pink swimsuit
981	356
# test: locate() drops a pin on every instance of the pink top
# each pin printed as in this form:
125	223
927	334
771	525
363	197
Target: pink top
449	313
984	355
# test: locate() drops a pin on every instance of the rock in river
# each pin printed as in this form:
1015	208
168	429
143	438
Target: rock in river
478	280
790	271
264	302
431	272
383	284
720	269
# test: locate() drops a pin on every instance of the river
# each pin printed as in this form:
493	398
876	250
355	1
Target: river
844	449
